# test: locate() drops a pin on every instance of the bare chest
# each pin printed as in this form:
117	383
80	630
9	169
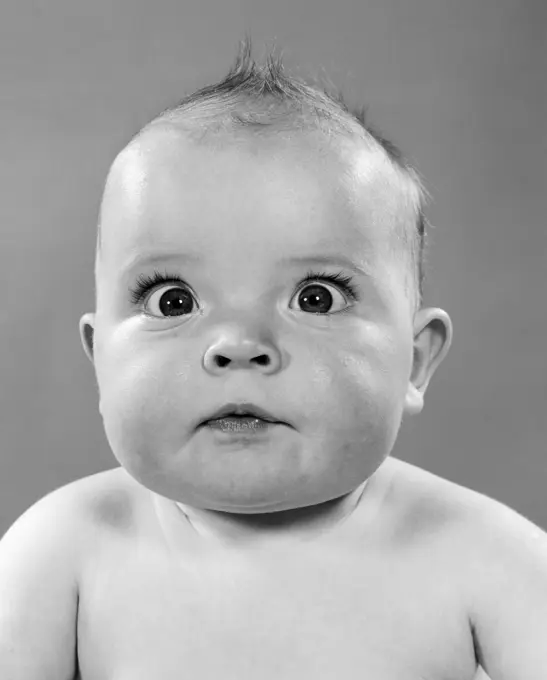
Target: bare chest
281	616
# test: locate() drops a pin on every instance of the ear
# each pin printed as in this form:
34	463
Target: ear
87	329
432	340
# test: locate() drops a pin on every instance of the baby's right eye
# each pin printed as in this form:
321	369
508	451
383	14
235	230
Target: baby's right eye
176	301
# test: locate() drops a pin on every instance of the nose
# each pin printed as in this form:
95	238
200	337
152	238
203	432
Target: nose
228	354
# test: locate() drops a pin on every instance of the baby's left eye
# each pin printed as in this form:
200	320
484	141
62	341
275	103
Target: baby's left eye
316	298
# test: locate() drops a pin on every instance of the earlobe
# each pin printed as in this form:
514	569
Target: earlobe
432	340
414	401
87	329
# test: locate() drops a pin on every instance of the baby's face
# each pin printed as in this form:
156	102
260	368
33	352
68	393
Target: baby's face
240	226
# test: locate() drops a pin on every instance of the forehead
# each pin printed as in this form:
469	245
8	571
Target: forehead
165	191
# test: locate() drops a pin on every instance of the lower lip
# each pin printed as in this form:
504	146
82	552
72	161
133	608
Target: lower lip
241	425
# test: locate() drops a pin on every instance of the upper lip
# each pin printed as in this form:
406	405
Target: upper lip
243	409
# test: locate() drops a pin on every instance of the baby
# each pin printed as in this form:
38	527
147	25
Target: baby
258	337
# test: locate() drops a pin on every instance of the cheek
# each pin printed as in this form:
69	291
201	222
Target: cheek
363	395
371	382
144	404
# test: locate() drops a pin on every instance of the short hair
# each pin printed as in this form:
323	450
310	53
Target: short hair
264	100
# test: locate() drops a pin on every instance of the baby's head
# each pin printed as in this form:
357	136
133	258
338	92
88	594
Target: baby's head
258	243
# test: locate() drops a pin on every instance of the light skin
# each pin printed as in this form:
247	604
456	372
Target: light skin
343	381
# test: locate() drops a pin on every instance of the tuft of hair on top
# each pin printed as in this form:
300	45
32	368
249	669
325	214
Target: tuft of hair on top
260	100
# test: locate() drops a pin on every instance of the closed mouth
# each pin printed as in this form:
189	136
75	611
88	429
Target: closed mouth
241	416
242	411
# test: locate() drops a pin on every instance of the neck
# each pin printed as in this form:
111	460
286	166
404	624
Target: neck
297	524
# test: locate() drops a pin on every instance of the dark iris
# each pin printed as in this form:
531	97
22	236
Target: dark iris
176	301
317	299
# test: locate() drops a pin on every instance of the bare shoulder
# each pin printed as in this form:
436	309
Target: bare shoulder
76	512
49	544
109	498
494	549
426	504
108	502
498	563
429	501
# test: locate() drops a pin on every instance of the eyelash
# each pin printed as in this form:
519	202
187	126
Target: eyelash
146	283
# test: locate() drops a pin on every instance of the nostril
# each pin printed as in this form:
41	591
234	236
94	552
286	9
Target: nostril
222	361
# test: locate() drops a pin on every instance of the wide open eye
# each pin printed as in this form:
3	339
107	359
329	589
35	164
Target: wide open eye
168	300
316	298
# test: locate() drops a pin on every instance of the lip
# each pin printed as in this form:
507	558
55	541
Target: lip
243	409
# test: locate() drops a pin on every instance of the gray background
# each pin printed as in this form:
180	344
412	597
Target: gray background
460	85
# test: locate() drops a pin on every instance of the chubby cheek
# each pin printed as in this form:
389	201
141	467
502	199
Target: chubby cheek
369	385
146	408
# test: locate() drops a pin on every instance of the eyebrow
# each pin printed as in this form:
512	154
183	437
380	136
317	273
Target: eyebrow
318	258
362	268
